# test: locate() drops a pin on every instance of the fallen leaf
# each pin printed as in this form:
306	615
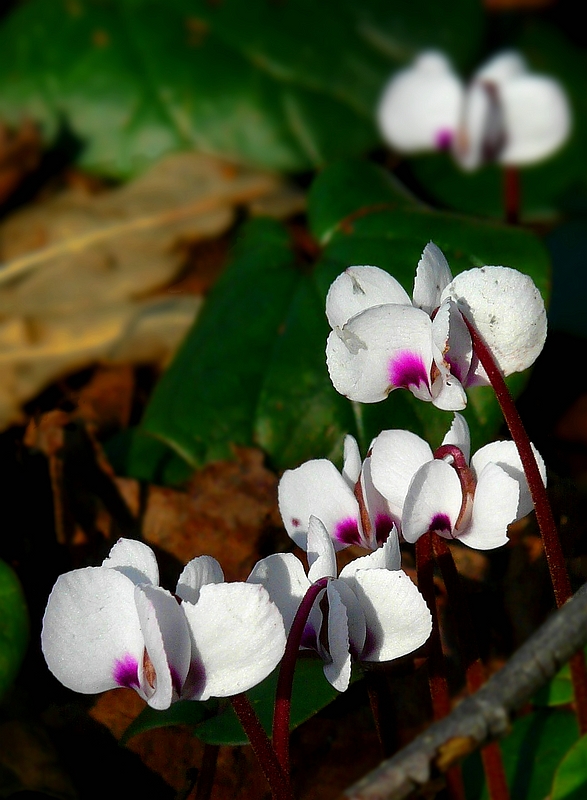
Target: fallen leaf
229	511
81	272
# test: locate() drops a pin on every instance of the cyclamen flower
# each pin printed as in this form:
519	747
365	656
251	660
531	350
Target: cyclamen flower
506	114
381	340
348	505
112	626
473	502
375	612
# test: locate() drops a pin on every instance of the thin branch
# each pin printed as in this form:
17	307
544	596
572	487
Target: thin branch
486	714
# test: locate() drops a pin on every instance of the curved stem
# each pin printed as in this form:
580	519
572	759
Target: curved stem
439	693
474	669
286	675
544	517
277	779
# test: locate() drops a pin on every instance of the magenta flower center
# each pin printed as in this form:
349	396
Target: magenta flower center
407	369
347	531
126	672
443	139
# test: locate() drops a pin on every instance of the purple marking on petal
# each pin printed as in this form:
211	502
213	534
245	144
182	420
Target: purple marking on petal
295	522
194	681
369	645
441	523
383	525
347	532
309	639
443	139
126	672
175	680
407	369
455	368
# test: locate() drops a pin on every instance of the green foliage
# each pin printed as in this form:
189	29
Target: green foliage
252	371
531	754
14	627
220	725
269	84
570	780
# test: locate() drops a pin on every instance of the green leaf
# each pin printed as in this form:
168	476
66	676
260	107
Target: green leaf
281	85
555	185
311	692
558	691
570	779
14	627
252	371
531	754
185	712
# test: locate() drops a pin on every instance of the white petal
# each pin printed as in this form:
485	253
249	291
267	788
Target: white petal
381	349
358	288
91	638
420	106
481	134
398	619
321	557
432	276
386	557
167	641
238	638
537	119
135	560
507	310
494	507
351	461
502	67
459	436
283	575
357	627
505	455
433	501
337	665
317	488
396	456
197	573
379	519
451	336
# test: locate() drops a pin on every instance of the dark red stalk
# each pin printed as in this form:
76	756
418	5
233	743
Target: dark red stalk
286	675
544	517
277	779
436	675
474	669
512	194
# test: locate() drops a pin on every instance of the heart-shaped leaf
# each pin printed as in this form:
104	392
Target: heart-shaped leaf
281	85
252	370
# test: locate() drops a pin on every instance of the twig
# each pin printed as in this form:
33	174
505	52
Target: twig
485	715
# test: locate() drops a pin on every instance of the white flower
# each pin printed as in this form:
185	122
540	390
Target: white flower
113	626
348	505
474	502
506	114
375	613
381	340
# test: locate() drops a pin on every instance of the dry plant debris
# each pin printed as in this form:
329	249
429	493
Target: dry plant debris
83	276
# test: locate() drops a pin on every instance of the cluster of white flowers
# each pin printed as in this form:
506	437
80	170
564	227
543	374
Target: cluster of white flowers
506	114
114	626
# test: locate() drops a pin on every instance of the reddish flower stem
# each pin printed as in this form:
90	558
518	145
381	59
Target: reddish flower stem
281	712
474	669
439	693
276	777
511	194
544	516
